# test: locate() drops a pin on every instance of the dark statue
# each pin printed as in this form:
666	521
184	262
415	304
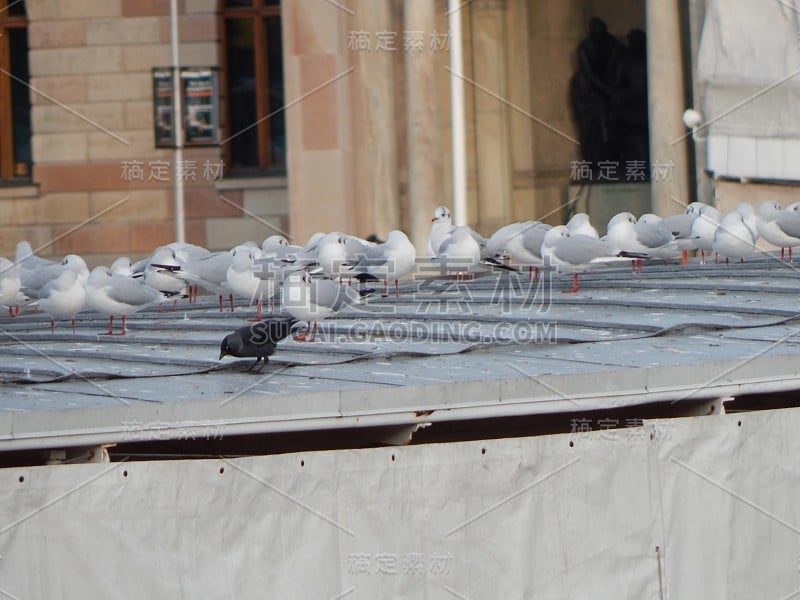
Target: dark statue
609	100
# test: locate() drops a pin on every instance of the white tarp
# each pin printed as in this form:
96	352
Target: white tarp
748	71
511	519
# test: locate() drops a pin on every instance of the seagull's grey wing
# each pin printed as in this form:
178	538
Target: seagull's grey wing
532	238
680	225
325	293
651	236
789	222
582	249
130	291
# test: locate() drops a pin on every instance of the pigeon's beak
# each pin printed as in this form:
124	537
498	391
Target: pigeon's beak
433	219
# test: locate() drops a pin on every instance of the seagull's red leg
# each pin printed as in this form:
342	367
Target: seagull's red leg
702	256
230	299
575	286
73	325
313	332
782	250
110	326
386	287
124	330
685	257
536	275
220	303
52	326
174	305
396	288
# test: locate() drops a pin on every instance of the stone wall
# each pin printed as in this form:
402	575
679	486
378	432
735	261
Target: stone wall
92	118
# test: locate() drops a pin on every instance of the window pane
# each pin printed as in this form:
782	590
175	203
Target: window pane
272	2
276	97
20	101
241	93
15	8
238	3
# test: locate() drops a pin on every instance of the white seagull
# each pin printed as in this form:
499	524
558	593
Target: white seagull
574	253
63	298
390	260
117	295
312	299
9	286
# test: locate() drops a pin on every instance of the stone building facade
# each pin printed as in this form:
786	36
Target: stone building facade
365	93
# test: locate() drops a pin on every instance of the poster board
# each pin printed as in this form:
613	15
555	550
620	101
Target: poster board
200	106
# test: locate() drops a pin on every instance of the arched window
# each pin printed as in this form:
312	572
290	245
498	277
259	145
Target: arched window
15	106
255	130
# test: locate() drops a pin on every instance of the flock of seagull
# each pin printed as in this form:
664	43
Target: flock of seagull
308	280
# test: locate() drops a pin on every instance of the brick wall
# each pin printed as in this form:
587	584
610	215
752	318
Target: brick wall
91	97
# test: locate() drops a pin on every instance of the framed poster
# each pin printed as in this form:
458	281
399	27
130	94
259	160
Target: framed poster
200	114
163	88
198	89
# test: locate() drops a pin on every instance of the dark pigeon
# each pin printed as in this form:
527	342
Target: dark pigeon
257	340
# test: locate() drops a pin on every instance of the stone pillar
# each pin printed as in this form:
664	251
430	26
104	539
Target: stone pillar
669	189
423	130
376	177
492	136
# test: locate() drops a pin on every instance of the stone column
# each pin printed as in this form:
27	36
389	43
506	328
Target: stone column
492	137
376	177
423	130
669	187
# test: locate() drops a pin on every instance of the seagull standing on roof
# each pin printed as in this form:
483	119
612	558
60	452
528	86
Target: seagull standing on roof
390	260
574	253
313	299
522	242
772	223
117	295
703	229
441	226
33	280
9	286
459	252
253	277
63	298
579	225
734	238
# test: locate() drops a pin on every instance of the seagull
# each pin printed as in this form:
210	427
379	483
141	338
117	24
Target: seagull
122	266
459	252
257	340
734	238
672	249
279	247
117	295
769	224
63	298
209	272
389	260
9	286
33	280
26	259
159	273
579	225
703	229
522	242
442	225
578	252
626	234
312	299
252	276
338	252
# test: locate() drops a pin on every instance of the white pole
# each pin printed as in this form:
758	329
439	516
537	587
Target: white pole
457	114
177	127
